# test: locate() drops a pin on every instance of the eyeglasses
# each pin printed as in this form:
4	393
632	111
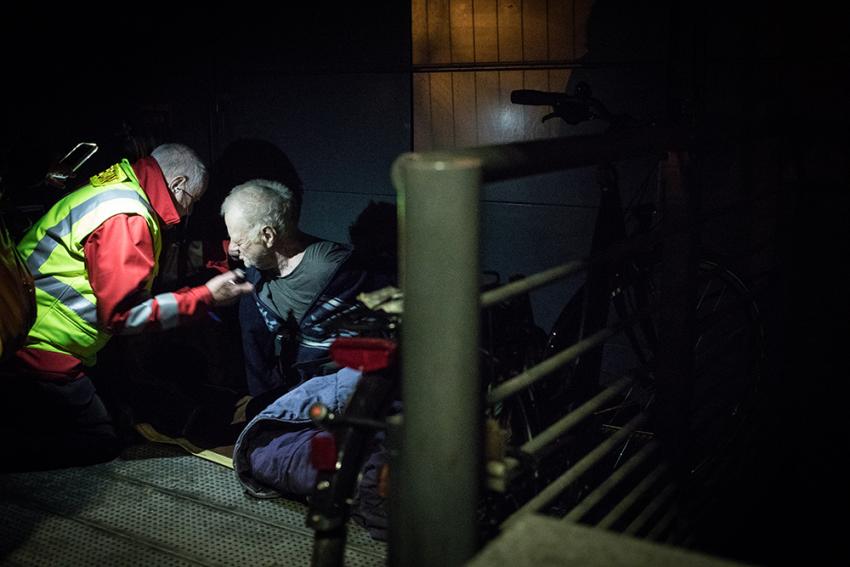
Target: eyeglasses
192	198
177	186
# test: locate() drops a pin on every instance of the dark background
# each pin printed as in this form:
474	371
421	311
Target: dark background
329	84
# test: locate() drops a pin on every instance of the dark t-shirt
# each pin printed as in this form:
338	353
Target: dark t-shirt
294	293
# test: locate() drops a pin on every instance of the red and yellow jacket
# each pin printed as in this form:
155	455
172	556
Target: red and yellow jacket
116	269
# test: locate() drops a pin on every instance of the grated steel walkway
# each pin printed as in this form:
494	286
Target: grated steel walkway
155	505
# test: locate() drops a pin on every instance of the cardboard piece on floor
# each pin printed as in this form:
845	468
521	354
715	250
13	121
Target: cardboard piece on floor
220	455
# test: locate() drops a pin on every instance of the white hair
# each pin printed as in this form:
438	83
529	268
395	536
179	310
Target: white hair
176	159
263	202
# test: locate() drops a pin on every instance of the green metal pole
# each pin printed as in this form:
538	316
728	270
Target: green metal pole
440	475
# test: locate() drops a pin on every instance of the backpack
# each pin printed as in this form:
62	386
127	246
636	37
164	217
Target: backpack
17	296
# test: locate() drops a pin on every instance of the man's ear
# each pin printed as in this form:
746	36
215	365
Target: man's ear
269	235
176	182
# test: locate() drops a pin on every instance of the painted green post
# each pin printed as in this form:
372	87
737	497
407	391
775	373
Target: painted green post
439	481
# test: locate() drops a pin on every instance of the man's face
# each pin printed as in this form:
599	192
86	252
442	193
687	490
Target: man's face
247	247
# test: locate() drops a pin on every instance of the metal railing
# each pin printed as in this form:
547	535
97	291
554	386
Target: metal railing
441	461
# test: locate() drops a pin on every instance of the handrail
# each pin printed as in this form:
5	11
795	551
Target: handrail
566	423
438	203
522	159
532	282
574	473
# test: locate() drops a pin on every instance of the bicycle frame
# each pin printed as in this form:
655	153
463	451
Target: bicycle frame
339	463
587	311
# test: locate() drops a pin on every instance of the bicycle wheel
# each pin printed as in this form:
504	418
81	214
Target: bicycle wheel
514	421
728	355
511	344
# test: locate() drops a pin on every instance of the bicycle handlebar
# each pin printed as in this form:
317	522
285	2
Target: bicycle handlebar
538	98
572	109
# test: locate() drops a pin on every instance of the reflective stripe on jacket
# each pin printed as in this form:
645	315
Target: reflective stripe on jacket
53	250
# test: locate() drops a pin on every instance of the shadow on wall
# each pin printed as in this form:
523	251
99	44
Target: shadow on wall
241	161
625	60
374	236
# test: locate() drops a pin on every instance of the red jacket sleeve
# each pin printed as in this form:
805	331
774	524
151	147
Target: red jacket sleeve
215	255
120	260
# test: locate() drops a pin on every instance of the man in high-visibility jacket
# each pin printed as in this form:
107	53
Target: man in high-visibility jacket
93	257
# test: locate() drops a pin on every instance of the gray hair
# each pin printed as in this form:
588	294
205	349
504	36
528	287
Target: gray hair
263	202
176	159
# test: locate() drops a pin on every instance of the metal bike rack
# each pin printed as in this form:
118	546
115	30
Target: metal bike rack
438	195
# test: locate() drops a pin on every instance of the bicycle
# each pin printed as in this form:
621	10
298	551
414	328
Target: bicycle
339	458
626	291
364	422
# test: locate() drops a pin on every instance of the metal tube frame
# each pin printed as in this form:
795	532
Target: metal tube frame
574	473
440	473
619	475
438	196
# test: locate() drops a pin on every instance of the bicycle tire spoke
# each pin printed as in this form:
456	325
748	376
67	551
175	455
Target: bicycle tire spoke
702	297
719	298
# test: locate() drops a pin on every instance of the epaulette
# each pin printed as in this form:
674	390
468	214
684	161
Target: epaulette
113	174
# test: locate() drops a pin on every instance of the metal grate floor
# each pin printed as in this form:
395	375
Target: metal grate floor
155	506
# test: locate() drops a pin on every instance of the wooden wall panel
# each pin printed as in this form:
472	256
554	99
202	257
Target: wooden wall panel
462	31
419	31
507	31
464	104
487	107
439	31
486	30
423	138
513	117
442	111
510	31
537	80
560	33
558	79
580	17
535	41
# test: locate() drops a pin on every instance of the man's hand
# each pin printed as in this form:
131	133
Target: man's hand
228	287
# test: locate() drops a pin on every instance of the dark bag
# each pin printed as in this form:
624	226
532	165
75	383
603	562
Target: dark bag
17	296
